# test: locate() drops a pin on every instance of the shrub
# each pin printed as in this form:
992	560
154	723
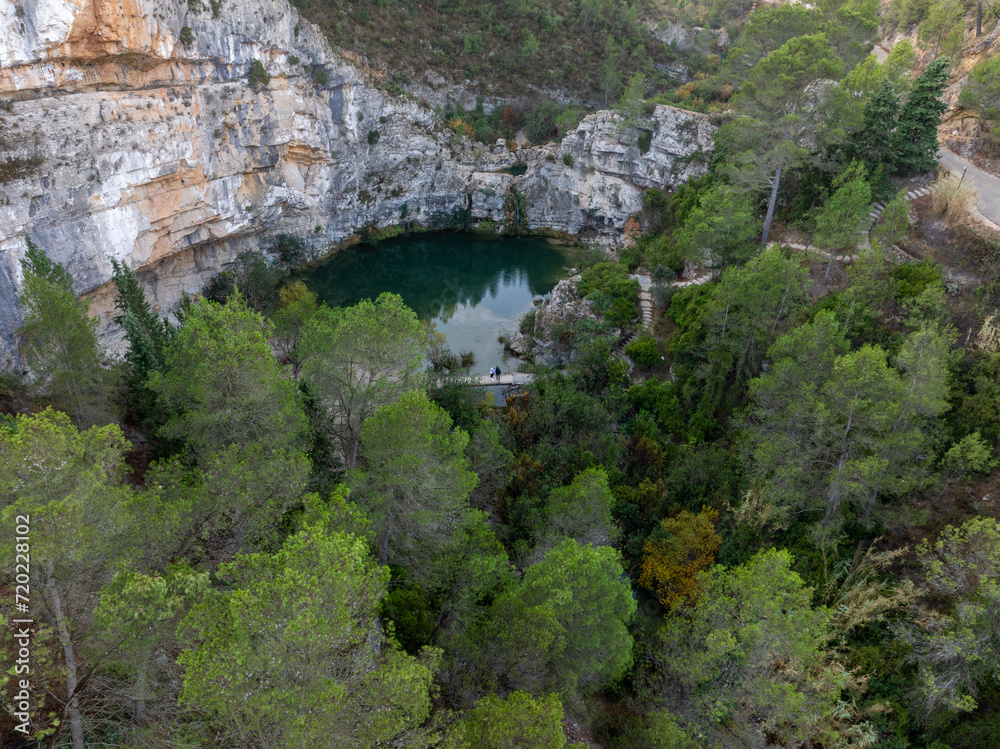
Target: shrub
568	159
258	281
258	76
290	249
527	324
915	277
549	120
662	295
6	105
186	35
320	78
664	274
645	141
643	351
373	136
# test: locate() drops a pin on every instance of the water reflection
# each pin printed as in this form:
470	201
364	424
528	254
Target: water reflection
472	288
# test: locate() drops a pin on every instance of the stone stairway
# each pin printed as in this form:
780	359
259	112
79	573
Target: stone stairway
920	192
645	299
646	306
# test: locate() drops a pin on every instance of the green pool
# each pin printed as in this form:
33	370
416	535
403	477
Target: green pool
472	287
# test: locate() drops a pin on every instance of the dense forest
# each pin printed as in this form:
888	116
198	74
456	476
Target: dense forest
770	520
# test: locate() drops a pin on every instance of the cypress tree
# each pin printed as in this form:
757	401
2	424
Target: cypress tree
147	336
916	143
873	143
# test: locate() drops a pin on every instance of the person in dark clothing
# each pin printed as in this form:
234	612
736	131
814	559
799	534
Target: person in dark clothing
497	370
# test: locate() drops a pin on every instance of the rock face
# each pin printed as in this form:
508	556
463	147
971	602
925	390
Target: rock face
559	312
123	141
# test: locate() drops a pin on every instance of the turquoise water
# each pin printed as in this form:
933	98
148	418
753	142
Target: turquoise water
473	288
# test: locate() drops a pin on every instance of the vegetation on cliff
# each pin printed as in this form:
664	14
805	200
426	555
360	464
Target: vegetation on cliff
768	520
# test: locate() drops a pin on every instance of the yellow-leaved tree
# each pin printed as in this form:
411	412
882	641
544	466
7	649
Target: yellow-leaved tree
673	556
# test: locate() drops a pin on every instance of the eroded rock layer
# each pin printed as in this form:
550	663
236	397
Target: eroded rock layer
133	132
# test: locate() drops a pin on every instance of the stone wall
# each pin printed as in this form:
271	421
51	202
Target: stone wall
138	147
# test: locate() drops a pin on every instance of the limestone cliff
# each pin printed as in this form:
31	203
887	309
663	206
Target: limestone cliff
123	141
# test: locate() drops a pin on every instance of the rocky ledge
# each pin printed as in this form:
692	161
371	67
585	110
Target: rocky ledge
551	322
132	131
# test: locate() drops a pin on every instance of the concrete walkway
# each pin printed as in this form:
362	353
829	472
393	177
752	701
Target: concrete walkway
514	378
987	184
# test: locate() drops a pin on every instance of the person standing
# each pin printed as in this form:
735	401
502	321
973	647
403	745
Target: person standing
492	372
498	373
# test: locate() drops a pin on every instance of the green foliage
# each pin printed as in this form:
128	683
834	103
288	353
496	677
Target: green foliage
506	46
502	122
915	278
607	285
568	159
915	147
894	221
86	523
942	17
873	142
725	330
186	36
147	336
359	358
567	619
296	306
644	351
831	427
257	76
59	340
304	616
783	109
981	91
258	280
581	511
548	120
721	657
412	620
414	482
956	653
967	457
839	222
373	136
725	224
527	323
632	106
222	386
530	50
291	249
518	722
767	30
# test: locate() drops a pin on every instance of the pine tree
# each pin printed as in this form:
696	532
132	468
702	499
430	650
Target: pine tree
59	340
981	93
147	336
916	143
